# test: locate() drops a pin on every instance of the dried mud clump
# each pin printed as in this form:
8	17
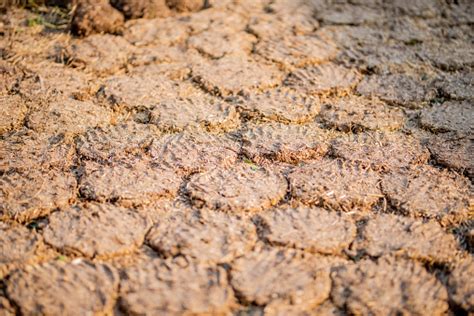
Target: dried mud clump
311	229
209	237
336	185
161	287
391	234
282	105
135	9
242	188
285	143
453	152
60	288
96	17
430	193
187	5
380	151
131	184
28	195
189	153
96	230
398	89
17	246
460	285
388	287
360	114
449	117
285	277
12	113
323	79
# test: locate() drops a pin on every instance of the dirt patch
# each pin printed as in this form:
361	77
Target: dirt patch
12	113
449	117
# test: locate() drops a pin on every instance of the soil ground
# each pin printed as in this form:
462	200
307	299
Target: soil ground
237	157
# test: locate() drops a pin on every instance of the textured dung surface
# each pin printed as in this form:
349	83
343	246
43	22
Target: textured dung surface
197	152
285	143
68	116
208	237
163	287
380	151
336	185
405	90
244	187
428	192
31	194
391	234
282	104
449	117
131	184
360	114
311	229
58	288
324	78
461	289
388	287
96	230
281	275
228	156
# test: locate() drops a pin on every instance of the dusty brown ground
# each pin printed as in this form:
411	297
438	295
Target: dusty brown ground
285	157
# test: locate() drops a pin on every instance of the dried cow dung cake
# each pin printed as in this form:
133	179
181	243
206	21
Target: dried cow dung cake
428	192
59	288
17	246
450	116
68	116
33	193
209	237
241	188
323	79
460	286
360	114
163	287
392	234
94	230
285	143
388	287
121	142
12	113
335	184
135	9
399	89
128	184
232	75
281	104
189	153
289	277
381	151
311	229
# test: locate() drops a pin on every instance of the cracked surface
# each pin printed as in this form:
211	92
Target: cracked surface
274	157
